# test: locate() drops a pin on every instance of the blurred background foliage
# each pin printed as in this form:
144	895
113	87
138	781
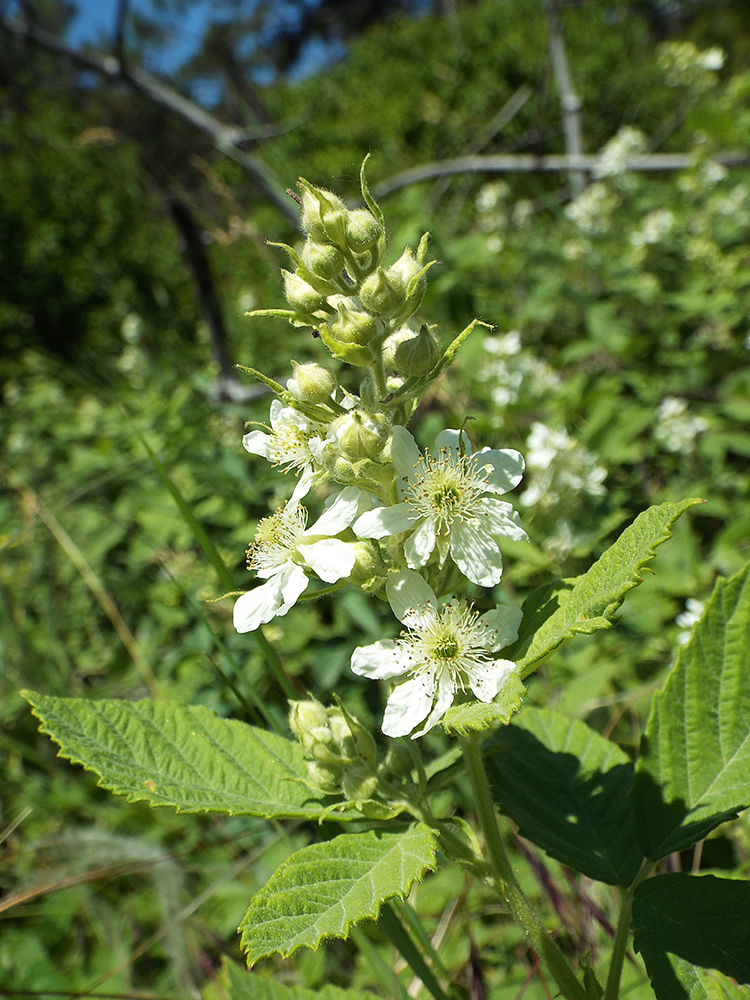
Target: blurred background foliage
132	241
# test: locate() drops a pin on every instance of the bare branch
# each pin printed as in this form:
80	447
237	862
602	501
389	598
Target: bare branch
571	103
225	138
505	163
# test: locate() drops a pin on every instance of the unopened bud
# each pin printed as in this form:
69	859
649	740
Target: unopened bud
301	296
360	435
358	783
323	259
353	326
324	778
418	354
311	383
369	572
362	230
404	276
323	215
380	295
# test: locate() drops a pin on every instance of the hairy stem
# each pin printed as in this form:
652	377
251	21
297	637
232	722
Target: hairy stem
505	880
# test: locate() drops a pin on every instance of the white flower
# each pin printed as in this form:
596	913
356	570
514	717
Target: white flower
687	618
444	649
559	467
613	158
285	550
288	443
445	506
676	429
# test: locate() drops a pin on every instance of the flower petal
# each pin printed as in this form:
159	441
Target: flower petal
303	486
384	521
504	622
419	545
379	661
446	691
294	582
476	554
271	599
486	680
453	439
499	518
329	558
408	704
338	513
408	589
404	451
505	468
257	443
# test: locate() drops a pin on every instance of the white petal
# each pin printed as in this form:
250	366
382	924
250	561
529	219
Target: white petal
338	513
271	599
418	546
408	704
487	680
446	691
505	468
504	621
499	518
257	443
294	582
304	483
404	451
277	408
451	439
381	660
408	589
476	554
384	521
330	558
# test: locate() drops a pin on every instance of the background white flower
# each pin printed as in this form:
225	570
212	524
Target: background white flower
285	550
445	506
445	649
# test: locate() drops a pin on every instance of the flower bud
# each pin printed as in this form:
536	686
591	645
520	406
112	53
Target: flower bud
358	783
308	720
324	260
324	778
398	761
369	572
416	355
402	275
323	215
301	297
353	326
360	435
311	383
380	295
362	230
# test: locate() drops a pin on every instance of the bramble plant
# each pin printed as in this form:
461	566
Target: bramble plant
424	532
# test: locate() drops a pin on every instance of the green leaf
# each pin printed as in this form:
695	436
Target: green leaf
244	985
182	756
566	787
460	720
685	925
590	602
323	889
693	772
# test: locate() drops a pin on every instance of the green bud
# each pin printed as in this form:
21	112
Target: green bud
362	230
358	783
402	275
360	435
322	259
369	571
418	354
323	215
308	720
353	326
398	761
311	383
301	297
324	778
380	295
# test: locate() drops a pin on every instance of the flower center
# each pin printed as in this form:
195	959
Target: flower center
452	638
446	647
290	445
276	539
446	487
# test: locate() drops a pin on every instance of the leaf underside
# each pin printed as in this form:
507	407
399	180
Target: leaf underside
187	757
322	890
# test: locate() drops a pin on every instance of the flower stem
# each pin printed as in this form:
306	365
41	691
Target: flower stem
619	948
505	880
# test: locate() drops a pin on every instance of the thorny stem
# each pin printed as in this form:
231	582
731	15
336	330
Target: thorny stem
504	878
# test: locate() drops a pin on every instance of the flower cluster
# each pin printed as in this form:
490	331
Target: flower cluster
676	430
410	526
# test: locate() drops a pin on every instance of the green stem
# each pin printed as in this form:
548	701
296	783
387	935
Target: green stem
612	989
505	880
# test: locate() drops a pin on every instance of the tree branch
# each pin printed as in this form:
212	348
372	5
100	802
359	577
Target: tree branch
571	103
226	138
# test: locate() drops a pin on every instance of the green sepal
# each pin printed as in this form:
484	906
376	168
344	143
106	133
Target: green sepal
460	720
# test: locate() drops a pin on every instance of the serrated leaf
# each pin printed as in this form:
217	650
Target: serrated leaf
686	925
590	602
323	889
244	985
567	787
460	720
183	756
693	772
